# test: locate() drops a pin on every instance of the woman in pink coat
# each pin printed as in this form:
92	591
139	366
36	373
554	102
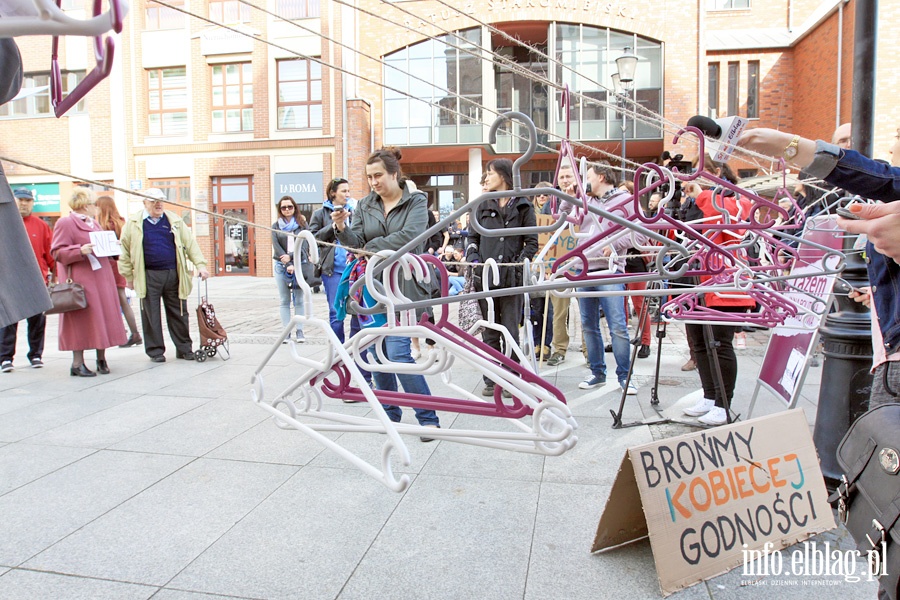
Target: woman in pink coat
99	326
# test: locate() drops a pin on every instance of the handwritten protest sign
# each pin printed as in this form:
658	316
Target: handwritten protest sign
566	242
709	496
105	243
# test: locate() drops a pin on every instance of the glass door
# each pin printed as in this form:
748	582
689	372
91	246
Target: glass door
234	240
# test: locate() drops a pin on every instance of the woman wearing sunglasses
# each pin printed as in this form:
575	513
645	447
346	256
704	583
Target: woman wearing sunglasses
289	223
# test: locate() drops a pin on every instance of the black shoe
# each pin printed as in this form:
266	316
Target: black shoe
424	439
608	348
133	340
644	352
37	363
160	358
185	355
81	371
102	367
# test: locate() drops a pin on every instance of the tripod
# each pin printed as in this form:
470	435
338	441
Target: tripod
712	347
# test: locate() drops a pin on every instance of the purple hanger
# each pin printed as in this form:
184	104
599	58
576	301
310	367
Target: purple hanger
104	50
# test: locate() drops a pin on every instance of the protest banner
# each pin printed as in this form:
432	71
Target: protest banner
706	499
785	360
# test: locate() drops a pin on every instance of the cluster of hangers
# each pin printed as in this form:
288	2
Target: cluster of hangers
716	254
541	421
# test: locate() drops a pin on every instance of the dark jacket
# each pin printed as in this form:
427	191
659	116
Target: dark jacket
506	248
371	231
279	246
320	225
861	175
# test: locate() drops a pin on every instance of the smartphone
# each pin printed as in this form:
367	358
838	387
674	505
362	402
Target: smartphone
338	209
845	212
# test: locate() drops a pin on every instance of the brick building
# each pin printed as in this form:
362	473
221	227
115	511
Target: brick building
225	122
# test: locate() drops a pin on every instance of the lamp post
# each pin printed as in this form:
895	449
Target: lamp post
623	82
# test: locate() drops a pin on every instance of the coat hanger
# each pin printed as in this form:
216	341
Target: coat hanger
44	17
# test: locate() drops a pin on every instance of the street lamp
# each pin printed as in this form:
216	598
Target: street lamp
623	81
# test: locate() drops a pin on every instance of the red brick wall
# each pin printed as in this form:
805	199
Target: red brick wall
815	78
359	141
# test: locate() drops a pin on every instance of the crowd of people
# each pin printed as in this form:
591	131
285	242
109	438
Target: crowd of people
156	257
158	253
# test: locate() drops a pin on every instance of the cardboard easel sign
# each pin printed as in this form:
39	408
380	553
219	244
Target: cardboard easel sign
709	496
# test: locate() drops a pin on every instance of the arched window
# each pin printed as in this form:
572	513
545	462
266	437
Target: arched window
434	87
417	112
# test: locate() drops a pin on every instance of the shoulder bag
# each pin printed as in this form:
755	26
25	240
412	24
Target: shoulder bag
67	296
868	497
469	310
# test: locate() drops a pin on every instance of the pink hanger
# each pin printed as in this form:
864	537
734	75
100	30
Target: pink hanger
104	50
444	332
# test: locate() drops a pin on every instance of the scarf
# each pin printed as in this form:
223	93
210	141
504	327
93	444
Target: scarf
288	226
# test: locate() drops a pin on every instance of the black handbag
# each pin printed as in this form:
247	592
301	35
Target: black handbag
308	270
868	497
67	296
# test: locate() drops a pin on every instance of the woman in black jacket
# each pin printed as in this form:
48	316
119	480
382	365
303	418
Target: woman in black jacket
503	213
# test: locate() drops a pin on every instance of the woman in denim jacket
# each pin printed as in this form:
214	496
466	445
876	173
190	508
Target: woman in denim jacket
290	221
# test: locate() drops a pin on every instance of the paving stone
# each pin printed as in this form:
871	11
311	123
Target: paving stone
305	541
198	431
153	536
105	428
41	513
31	585
23	463
475	533
34	419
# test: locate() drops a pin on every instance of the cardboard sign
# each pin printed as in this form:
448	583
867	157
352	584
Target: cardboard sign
709	496
566	242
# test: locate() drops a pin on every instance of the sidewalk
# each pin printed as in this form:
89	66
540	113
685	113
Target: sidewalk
165	481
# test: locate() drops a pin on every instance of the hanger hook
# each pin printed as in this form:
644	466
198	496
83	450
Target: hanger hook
532	142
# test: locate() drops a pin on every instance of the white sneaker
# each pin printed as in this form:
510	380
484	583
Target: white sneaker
300	338
7	366
703	406
716	416
631	390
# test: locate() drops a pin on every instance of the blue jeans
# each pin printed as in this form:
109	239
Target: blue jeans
397	350
287	294
456	284
614	309
330	282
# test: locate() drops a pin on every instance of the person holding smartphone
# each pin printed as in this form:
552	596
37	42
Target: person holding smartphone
333	257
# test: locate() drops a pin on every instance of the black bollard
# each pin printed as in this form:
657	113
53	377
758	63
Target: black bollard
846	381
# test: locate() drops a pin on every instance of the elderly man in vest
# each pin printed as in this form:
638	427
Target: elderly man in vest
156	248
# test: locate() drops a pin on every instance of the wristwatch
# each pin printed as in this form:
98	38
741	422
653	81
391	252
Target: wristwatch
791	150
